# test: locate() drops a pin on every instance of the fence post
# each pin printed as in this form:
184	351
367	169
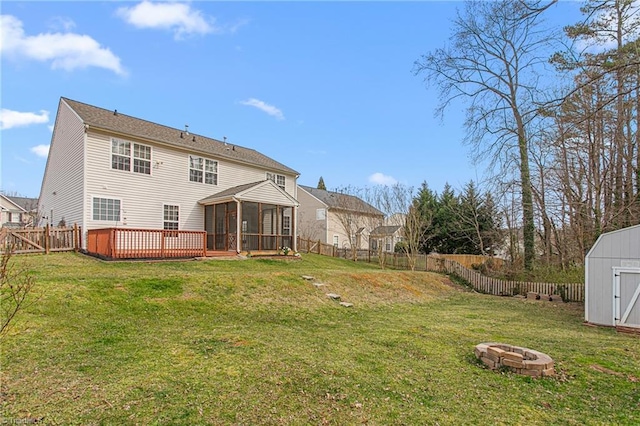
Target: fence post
46	239
75	238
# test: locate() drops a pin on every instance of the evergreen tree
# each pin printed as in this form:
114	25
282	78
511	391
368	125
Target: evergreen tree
321	184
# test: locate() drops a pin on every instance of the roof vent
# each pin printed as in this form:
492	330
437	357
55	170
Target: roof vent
194	139
181	135
234	148
225	140
186	128
115	112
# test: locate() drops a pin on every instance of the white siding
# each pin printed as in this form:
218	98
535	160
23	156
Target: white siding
266	194
62	185
336	227
143	196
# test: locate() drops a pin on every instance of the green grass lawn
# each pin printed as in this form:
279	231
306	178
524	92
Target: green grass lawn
251	342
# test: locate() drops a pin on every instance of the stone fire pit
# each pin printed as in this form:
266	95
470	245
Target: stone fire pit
519	360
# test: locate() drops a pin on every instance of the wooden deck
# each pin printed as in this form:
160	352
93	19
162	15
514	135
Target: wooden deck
127	243
220	253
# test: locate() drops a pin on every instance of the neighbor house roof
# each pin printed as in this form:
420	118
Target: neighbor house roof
385	230
340	201
25	203
115	121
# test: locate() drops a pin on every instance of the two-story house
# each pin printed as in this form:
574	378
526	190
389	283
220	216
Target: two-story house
17	212
109	170
330	217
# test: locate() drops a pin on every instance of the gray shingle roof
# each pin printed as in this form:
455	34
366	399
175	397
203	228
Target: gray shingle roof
125	124
28	204
385	230
229	192
340	201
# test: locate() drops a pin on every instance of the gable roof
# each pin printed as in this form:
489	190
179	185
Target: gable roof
115	121
241	191
385	230
10	202
26	203
340	201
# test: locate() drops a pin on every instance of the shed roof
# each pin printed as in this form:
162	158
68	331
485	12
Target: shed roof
622	243
341	201
115	121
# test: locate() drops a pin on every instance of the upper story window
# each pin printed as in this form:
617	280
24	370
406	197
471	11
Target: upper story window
278	179
203	170
124	153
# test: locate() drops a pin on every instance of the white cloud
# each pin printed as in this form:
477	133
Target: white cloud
382	179
178	17
61	23
40	150
66	51
10	119
262	106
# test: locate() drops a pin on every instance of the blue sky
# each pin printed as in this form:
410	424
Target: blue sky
323	87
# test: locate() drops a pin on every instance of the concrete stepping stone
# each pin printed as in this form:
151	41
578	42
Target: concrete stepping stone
308	277
333	296
346	304
318	285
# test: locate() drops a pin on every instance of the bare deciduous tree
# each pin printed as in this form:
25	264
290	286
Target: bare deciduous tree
15	285
497	49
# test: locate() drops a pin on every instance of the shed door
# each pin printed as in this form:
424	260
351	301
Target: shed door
627	298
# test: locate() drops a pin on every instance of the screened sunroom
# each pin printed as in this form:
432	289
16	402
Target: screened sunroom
257	217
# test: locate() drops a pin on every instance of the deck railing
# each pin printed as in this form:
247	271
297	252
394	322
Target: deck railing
126	243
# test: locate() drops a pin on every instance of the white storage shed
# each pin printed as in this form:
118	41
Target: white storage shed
612	279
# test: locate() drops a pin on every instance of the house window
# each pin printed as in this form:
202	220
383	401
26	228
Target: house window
141	159
171	217
122	154
106	209
321	214
278	179
335	240
286	225
203	170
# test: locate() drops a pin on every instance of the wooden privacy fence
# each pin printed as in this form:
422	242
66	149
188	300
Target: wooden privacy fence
41	240
311	246
570	292
126	243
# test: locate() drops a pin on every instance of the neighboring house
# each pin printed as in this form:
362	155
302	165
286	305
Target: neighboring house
110	170
385	238
391	232
17	212
336	218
